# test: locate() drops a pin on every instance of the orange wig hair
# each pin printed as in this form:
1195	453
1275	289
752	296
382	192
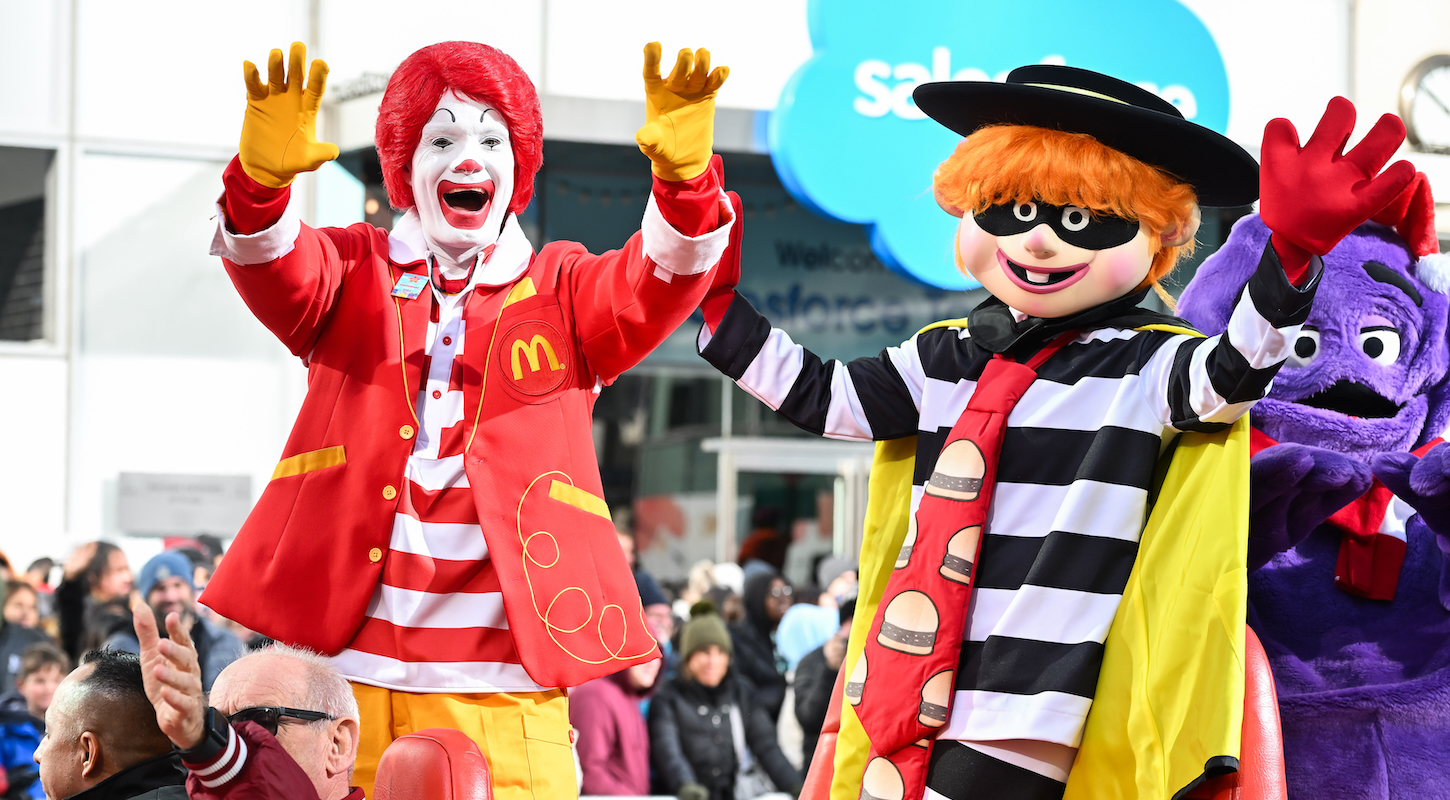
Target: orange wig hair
1017	163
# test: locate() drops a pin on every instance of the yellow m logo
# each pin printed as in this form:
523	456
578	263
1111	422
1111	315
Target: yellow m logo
531	352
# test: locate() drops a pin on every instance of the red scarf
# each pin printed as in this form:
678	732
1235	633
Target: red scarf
903	684
1369	561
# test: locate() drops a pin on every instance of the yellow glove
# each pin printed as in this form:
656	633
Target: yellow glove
279	132
679	113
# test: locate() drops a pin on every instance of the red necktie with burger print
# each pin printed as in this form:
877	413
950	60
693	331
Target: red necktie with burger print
903	683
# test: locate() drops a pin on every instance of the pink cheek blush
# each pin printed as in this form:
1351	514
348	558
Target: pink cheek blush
1124	267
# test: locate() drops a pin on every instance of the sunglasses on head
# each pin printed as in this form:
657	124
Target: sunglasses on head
1077	226
269	716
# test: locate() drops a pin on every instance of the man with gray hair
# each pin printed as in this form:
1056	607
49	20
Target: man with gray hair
282	721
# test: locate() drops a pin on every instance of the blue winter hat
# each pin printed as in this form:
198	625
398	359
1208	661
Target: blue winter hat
163	566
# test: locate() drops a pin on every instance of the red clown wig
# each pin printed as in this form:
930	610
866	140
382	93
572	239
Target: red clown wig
473	70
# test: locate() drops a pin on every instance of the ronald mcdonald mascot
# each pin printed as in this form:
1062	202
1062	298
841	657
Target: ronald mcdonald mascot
436	523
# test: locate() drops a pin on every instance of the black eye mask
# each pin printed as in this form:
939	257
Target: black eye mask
1074	225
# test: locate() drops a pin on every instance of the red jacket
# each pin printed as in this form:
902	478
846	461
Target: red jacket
305	563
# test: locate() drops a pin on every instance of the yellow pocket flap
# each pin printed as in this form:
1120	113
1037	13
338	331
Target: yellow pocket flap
547	730
572	495
310	461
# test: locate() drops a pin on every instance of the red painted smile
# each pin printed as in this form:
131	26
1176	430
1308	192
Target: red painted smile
1041	280
465	206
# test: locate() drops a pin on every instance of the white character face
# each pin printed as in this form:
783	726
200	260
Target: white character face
462	175
1033	269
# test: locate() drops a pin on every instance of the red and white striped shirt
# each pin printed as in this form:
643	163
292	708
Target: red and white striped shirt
436	621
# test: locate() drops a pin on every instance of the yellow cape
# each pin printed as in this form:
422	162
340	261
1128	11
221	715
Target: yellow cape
1169	699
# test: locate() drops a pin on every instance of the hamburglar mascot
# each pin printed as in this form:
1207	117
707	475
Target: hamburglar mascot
1009	602
436	523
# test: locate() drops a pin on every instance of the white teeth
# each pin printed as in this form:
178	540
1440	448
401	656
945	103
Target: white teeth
1037	277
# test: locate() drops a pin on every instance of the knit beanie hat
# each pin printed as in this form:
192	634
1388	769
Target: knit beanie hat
704	629
649	591
165	565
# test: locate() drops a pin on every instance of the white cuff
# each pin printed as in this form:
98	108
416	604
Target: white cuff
677	254
268	244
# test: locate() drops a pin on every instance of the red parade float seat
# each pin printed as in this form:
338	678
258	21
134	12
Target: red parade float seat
433	764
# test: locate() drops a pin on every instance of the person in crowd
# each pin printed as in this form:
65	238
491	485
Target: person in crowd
815	678
707	732
282	723
22	717
766	598
201	566
804	627
38	575
765	546
837	574
728	601
7	572
626	543
15	639
660	616
22	604
101	737
166	587
97	573
613	746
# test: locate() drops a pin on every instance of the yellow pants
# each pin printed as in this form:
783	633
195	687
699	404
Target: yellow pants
524	736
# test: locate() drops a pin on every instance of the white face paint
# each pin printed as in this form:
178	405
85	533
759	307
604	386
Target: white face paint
462	179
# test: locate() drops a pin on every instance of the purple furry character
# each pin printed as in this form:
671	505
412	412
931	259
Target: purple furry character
1364	684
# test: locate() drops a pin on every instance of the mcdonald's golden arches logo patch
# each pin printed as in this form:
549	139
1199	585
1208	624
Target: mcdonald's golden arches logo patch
534	358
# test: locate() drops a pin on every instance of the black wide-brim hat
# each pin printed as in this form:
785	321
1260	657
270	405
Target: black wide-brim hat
1117	113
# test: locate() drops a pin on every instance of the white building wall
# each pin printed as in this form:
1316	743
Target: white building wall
154	364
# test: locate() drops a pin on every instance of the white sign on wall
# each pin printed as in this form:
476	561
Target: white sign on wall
150	503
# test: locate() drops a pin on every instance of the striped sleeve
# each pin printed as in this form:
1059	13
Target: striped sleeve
865	399
1207	384
219	759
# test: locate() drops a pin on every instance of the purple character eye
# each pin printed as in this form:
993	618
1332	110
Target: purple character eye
1381	343
1306	347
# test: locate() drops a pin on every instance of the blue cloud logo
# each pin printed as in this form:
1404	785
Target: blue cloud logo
849	143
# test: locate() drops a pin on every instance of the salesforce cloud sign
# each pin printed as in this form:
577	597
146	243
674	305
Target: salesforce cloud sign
848	141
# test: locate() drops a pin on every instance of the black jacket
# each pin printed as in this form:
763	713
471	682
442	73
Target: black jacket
691	741
161	778
753	649
814	682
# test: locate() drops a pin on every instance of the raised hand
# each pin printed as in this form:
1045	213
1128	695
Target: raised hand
279	132
172	675
679	120
1294	488
1424	483
1313	196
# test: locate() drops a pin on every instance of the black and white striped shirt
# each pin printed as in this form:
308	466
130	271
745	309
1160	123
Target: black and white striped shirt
1074	476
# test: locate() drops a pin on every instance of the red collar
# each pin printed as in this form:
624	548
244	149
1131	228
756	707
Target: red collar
452	285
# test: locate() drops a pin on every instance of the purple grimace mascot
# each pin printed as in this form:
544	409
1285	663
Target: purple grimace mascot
1350	530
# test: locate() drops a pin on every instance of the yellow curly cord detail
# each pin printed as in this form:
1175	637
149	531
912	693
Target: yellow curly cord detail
544	616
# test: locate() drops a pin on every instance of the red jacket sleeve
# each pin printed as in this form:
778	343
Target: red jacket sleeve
628	301
287	273
251	766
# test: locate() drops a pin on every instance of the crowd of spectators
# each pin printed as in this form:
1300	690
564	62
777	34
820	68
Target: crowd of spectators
736	705
165	697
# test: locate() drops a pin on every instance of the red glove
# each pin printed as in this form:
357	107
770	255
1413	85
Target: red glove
1311	197
727	273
